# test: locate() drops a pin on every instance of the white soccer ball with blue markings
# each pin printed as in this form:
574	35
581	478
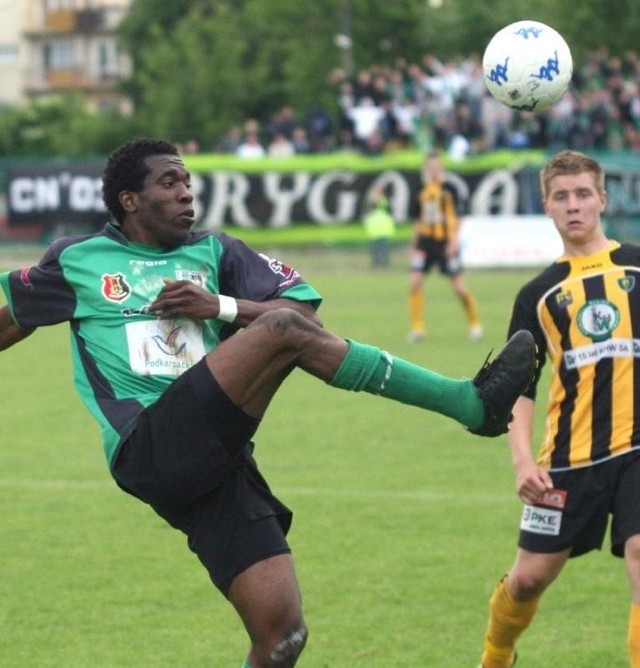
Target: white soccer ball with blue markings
527	66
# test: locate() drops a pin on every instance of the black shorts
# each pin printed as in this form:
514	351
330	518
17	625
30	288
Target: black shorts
577	515
190	458
435	255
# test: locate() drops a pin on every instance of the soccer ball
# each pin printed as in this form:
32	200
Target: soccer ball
527	66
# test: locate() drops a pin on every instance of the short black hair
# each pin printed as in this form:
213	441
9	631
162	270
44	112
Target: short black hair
126	170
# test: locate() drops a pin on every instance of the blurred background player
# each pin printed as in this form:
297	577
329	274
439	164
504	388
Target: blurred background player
436	241
380	228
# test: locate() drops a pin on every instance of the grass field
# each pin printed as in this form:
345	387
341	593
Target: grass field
403	521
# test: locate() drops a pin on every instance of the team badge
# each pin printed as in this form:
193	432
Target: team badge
197	277
564	299
554	498
25	279
115	287
627	283
598	319
289	274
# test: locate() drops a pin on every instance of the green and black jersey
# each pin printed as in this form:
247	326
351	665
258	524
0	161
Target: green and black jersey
124	358
584	313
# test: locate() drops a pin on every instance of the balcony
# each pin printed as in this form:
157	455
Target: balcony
69	21
69	79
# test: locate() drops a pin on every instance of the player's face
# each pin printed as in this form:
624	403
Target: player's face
575	204
162	212
434	169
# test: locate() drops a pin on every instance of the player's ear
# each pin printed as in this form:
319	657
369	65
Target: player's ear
603	200
128	200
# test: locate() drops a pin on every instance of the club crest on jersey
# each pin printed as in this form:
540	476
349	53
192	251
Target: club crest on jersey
289	274
25	279
115	287
197	277
627	283
598	319
564	299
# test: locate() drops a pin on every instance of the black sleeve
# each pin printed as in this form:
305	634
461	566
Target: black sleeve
40	295
247	274
459	203
525	316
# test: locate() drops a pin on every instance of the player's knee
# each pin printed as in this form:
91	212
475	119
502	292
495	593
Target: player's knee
288	648
285	324
632	550
525	586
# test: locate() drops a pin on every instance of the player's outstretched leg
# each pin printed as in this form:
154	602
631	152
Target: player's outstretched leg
501	382
483	405
283	339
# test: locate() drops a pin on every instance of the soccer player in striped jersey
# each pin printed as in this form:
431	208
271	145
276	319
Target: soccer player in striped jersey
584	314
436	243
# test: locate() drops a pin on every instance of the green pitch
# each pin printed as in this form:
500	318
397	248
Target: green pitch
403	521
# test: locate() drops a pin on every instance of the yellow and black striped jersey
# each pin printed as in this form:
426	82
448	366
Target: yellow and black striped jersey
584	313
438	211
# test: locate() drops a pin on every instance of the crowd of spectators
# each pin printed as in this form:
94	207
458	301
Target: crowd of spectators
445	105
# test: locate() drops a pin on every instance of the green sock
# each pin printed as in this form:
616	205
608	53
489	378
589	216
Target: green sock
370	369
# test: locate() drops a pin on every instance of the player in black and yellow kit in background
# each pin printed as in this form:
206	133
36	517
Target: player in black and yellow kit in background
436	241
584	314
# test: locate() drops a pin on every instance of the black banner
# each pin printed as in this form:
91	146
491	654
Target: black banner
50	194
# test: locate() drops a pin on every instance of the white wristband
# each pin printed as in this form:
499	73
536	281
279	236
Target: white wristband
228	308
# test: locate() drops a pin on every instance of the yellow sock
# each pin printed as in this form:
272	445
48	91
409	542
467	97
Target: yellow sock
633	638
471	309
508	618
416	311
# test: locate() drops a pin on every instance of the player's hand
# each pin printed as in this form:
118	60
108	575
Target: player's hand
451	249
184	299
10	331
532	481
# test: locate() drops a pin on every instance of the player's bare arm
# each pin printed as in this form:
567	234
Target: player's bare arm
452	247
10	332
188	300
532	481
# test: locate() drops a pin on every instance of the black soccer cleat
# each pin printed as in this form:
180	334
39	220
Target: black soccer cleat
502	381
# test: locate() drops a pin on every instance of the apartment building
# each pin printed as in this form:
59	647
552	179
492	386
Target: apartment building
54	46
11	52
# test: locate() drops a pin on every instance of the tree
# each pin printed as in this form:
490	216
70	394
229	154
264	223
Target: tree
60	125
200	67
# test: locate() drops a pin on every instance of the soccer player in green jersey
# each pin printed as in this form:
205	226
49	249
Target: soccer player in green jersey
154	307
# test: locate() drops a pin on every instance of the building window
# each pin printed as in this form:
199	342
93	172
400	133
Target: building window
8	54
59	56
107	58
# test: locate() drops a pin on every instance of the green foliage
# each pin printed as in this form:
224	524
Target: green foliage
60	125
403	521
201	67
